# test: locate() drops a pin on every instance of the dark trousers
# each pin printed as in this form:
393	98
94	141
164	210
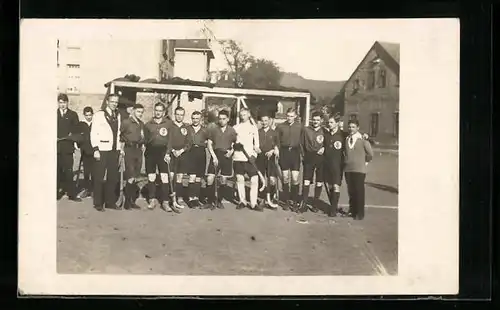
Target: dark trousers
88	167
107	165
65	180
356	189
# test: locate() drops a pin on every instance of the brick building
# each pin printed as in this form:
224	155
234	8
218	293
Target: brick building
371	94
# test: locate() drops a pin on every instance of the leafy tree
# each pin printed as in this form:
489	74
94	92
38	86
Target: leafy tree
261	74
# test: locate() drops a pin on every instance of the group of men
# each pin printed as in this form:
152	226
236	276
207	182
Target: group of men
173	149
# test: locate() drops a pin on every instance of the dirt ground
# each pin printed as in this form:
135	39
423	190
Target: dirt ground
235	242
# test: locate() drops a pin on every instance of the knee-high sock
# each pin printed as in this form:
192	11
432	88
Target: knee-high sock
295	192
197	190
210	193
152	190
179	189
317	191
165	188
254	189
305	192
192	190
335	200
272	190
240	185
286	191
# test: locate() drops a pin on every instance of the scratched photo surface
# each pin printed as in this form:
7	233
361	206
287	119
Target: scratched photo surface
193	224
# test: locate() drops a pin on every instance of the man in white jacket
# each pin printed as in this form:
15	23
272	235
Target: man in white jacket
247	136
105	141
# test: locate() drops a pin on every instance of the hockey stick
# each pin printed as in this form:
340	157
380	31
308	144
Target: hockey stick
79	171
173	195
261	177
121	199
268	195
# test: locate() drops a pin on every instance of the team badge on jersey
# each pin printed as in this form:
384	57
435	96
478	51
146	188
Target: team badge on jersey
163	131
337	145
319	139
184	131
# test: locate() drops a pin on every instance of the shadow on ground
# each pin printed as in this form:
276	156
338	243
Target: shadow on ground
383	187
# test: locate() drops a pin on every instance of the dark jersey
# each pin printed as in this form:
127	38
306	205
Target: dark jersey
180	137
289	135
156	134
199	137
312	140
267	139
84	141
132	131
222	140
334	146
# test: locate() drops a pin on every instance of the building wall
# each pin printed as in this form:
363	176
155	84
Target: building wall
102	61
194	66
362	101
191	65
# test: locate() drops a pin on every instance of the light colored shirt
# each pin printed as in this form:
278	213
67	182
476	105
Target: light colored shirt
248	135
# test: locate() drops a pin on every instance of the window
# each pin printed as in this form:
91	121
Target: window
382	78
374	124
370	83
73	78
396	124
356	84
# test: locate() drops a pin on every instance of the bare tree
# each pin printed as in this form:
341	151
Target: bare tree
237	60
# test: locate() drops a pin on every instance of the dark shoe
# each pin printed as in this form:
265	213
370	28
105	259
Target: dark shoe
302	207
359	217
291	205
313	209
100	208
75	199
332	212
175	208
219	205
83	194
166	206
207	205
110	206
258	208
241	206
127	205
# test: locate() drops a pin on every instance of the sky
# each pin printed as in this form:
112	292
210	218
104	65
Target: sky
315	49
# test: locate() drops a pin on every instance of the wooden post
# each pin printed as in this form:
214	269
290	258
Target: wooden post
238	107
308	107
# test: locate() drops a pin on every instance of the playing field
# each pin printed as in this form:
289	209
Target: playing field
235	242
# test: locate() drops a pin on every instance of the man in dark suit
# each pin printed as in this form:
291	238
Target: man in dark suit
67	124
86	151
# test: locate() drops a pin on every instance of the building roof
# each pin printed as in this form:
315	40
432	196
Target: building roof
389	52
194	44
391	48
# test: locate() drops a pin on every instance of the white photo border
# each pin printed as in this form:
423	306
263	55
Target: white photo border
428	163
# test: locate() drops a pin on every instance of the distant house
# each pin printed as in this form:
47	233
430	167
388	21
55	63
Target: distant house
371	94
192	61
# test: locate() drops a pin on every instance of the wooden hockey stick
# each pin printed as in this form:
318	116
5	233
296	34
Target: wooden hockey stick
261	177
121	198
173	195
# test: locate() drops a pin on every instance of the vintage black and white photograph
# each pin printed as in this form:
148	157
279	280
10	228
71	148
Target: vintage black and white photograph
256	153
